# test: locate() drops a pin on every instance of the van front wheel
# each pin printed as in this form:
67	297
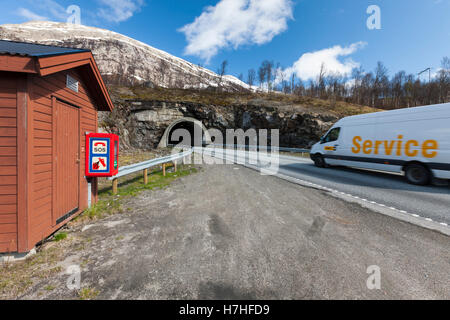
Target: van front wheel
319	161
417	174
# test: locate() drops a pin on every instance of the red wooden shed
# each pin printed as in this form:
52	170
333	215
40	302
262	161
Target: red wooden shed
49	98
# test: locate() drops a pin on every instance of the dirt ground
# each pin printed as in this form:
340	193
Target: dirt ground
227	232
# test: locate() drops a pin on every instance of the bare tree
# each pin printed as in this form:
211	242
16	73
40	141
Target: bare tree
221	71
321	81
261	75
266	74
381	84
377	88
292	82
268	65
299	89
251	76
357	75
444	80
397	87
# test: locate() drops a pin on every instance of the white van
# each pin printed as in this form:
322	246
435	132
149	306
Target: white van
415	141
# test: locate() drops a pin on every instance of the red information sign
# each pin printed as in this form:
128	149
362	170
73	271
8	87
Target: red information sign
102	154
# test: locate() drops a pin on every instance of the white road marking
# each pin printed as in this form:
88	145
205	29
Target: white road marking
303	182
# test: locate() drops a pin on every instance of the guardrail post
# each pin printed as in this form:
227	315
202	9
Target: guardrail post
145	172
114	186
164	169
175	165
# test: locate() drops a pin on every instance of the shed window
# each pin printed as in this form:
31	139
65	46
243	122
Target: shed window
72	84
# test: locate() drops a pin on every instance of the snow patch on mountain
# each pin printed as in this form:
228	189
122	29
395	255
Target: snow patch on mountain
122	60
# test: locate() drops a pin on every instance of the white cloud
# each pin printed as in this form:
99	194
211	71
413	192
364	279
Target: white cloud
110	10
27	14
309	64
119	10
232	23
55	9
51	9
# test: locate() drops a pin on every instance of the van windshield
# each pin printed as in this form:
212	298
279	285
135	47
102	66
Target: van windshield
333	135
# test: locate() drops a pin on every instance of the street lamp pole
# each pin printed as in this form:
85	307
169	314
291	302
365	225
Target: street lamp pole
429	74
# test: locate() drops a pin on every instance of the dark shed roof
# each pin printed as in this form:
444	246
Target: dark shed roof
35	50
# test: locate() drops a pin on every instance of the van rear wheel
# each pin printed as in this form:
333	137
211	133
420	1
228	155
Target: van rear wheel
319	161
417	174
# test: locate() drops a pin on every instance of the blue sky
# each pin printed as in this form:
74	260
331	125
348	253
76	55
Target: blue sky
299	34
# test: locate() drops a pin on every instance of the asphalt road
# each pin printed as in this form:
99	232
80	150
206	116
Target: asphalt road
432	202
391	190
228	232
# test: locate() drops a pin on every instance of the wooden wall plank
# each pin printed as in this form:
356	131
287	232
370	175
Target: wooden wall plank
8	208
8	199
7	151
7	142
38	125
8	180
8	189
8	122
8	218
42	159
7	170
8	113
7	103
8	237
23	135
8	132
8	227
9	246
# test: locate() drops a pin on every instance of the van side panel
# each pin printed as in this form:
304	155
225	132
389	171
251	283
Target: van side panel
418	137
360	127
388	140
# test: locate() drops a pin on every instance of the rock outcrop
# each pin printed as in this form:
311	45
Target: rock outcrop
141	124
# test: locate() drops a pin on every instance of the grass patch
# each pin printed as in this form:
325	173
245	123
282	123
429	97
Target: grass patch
88	293
131	186
60	236
17	278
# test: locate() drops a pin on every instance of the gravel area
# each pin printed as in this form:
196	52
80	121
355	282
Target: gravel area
229	233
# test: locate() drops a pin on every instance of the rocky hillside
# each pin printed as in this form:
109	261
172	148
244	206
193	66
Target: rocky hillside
121	60
142	115
151	89
141	124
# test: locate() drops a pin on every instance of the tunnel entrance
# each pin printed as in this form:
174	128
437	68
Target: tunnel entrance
187	125
191	125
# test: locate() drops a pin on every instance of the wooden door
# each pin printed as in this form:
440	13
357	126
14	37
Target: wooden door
67	161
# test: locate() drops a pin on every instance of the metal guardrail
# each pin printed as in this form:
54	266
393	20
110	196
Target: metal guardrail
143	166
253	147
241	156
256	147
